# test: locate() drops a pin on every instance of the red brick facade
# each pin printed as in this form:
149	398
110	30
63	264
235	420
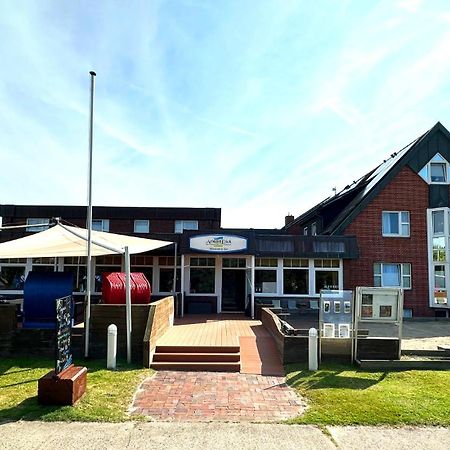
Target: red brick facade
406	192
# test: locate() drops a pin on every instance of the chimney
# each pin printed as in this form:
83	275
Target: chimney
288	219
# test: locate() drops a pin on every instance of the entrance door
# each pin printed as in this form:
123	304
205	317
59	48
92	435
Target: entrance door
233	290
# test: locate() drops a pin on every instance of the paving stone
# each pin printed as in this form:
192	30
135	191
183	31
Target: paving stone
206	396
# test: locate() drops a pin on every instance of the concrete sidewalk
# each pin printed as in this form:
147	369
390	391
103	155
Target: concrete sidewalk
166	435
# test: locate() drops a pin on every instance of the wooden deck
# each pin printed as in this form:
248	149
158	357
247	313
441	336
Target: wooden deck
258	354
213	330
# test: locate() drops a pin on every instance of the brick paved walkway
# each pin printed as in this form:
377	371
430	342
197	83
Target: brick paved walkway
206	396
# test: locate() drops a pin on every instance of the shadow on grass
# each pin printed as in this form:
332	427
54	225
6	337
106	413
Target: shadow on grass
29	363
330	378
28	409
3	372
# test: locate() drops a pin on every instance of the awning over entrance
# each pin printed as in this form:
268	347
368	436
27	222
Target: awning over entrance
62	240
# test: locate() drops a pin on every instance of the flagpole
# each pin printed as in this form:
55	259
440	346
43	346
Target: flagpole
87	309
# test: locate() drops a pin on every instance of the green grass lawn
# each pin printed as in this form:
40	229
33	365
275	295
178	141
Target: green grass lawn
342	395
337	394
108	393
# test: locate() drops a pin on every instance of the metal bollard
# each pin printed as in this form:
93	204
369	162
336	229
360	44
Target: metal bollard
313	363
112	347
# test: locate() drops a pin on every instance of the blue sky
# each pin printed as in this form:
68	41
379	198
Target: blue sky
257	107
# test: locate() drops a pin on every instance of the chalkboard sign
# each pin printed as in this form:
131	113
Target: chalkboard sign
63	333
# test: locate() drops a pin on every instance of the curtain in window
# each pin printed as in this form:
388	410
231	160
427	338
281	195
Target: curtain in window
390	223
391	275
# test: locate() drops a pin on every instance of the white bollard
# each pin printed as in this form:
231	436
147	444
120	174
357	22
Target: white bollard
313	363
112	347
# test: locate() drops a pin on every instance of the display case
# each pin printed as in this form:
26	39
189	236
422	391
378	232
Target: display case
336	323
378	323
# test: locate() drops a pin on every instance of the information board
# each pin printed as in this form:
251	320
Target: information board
63	333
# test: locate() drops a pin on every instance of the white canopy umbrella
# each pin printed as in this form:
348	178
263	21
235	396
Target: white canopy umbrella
62	240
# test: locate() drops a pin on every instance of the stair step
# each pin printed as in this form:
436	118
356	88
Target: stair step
198	366
196	357
196	349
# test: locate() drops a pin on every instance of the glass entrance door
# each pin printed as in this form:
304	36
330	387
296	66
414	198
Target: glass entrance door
233	290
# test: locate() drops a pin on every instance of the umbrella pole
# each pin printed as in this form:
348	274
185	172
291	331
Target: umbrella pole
87	309
128	302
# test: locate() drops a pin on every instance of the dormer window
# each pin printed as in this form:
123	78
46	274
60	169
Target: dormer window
436	171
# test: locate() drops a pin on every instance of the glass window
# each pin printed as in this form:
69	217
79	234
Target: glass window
295	262
147	271
181	225
165	279
439	277
141	226
99	273
392	275
100	225
439	249
203	262
202	280
326	263
395	223
295	281
233	262
266	281
266	262
438	173
78	277
326	279
12	277
34	229
438	222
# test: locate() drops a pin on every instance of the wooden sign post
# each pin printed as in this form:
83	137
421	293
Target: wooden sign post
66	383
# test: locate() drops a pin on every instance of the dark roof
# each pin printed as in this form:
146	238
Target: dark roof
276	243
354	197
110	212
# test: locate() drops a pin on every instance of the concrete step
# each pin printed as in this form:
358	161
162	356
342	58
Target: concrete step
198	366
196	357
196	349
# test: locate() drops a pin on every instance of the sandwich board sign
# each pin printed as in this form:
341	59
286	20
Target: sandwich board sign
63	334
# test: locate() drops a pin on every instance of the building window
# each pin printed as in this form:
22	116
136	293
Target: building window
295	276
439	259
314	229
295	281
326	279
326	274
44	265
266	275
392	275
143	264
100	225
33	222
166	273
395	223
76	265
106	264
181	225
141	226
12	277
305	231
231	263
202	275
436	171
